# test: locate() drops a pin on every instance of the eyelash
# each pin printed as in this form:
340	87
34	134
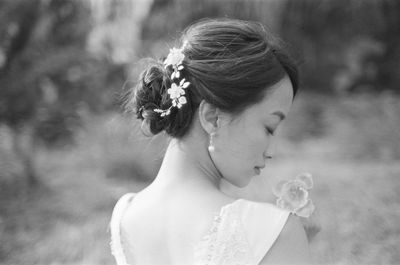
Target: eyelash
270	131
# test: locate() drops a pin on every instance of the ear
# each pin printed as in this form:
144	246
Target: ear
208	116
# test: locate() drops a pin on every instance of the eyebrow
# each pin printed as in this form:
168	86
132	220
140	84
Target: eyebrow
279	114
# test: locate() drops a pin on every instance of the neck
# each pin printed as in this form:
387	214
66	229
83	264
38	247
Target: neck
188	161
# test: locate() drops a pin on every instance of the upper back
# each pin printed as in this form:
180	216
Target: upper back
170	231
165	230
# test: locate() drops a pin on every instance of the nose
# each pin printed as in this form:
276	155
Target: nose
270	150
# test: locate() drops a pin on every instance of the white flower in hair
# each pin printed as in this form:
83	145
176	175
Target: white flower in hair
174	58
181	101
163	112
177	90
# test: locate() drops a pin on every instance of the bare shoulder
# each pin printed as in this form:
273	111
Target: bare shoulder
291	247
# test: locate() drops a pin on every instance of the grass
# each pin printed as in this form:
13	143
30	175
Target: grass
349	144
357	206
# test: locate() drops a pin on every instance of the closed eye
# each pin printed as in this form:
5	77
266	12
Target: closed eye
270	131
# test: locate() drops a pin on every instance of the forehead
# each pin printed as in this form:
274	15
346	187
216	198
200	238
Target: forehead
278	98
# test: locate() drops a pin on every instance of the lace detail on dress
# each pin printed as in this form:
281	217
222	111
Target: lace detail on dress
226	242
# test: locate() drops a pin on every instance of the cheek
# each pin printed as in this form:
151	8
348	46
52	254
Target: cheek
238	150
256	143
244	143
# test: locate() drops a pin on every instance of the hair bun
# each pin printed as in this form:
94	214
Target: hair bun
149	95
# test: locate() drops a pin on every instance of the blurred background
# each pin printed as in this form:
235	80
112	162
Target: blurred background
68	150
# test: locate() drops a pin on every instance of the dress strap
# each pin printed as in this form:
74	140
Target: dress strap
242	233
263	222
115	228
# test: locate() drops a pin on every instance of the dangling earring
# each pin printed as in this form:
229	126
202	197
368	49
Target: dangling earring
211	147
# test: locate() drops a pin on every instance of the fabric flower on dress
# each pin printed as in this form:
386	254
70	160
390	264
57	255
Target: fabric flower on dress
293	195
177	90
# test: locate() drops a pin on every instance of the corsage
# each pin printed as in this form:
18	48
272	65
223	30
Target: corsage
293	195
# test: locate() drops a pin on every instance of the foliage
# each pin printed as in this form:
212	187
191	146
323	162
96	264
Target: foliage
179	14
48	78
355	127
46	70
352	45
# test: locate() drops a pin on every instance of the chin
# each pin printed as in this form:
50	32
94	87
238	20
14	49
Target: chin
243	185
240	183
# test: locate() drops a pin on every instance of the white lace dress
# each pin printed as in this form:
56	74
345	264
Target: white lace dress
241	233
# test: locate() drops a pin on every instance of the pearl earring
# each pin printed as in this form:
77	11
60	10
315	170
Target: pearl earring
211	147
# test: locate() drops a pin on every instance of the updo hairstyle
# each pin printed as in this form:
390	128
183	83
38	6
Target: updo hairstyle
229	63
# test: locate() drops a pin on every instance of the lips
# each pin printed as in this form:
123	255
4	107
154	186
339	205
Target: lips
258	169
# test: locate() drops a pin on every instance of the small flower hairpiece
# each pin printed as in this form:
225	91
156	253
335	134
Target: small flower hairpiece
293	195
177	90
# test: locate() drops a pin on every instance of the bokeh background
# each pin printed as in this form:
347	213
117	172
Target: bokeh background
68	150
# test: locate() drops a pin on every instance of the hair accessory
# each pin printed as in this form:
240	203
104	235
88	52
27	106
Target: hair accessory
177	90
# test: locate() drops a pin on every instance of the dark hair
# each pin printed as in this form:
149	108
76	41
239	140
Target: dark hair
230	63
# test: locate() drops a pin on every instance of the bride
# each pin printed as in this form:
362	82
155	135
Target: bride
220	96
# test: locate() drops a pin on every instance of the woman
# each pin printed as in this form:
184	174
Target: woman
220	96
